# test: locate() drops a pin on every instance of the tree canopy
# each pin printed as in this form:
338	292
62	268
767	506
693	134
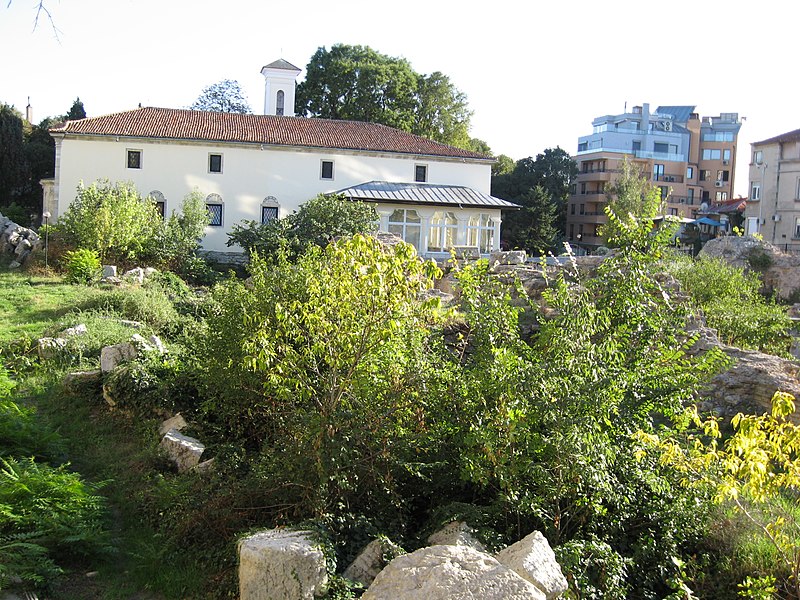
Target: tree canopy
223	96
553	171
76	111
358	83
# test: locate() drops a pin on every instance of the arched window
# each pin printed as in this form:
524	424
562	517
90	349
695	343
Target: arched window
160	202
406	224
269	209
444	227
214	205
279	103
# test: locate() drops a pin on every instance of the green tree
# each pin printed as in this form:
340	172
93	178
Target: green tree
533	226
178	239
316	223
307	350
358	83
442	112
223	96
14	167
76	111
113	220
553	171
633	203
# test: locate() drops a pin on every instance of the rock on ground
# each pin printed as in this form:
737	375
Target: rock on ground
533	559
111	356
281	564
370	561
450	573
183	450
456	533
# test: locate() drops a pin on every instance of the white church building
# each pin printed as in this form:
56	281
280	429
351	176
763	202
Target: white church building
259	167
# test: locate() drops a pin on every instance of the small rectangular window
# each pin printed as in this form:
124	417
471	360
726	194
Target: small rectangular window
268	213
660	148
689	172
161	207
215	163
755	192
758	157
134	159
327	169
421	173
215	213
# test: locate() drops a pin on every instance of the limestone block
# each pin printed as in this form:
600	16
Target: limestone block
511	257
136	275
14	264
141	344
177	423
111	356
456	533
449	573
183	450
280	564
533	559
79	329
158	344
370	561
50	347
82	378
131	324
109	271
150	271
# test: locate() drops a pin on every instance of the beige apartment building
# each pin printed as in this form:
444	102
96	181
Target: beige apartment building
773	209
691	159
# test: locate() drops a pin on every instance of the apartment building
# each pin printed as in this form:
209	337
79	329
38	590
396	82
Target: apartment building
773	209
691	159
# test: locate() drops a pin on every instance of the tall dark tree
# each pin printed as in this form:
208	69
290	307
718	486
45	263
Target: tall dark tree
533	226
553	171
76	111
223	96
14	168
358	83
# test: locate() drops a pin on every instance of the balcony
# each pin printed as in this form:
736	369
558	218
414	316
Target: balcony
669	178
681	200
665	156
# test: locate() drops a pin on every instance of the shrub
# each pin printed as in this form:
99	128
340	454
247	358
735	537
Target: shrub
82	266
319	221
178	239
113	220
731	301
49	515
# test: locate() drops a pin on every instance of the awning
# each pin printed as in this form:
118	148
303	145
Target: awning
707	221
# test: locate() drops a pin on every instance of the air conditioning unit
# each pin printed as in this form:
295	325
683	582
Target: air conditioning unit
776	218
667	125
726	162
718	184
761	221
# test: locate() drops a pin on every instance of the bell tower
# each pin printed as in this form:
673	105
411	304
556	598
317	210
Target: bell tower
280	79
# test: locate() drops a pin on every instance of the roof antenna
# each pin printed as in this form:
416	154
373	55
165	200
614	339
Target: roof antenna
625	110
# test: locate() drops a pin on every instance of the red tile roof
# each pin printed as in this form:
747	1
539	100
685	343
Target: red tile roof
171	123
792	136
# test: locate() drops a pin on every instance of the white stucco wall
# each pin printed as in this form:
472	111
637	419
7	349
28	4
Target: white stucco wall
249	173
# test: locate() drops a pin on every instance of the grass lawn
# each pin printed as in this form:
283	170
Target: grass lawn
29	304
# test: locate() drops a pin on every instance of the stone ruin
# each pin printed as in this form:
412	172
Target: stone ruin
17	242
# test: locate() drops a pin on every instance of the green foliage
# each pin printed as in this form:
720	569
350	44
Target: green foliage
760	462
758	259
21	434
113	220
541	186
316	223
14	169
223	96
82	266
76	111
594	570
46	514
178	240
547	427
733	305
360	84
632	205
305	351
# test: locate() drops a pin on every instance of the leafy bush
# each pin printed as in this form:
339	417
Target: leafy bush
113	220
731	301
178	239
49	515
21	434
148	305
297	357
82	266
316	223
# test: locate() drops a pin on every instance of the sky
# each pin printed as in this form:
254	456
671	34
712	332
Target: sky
535	73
